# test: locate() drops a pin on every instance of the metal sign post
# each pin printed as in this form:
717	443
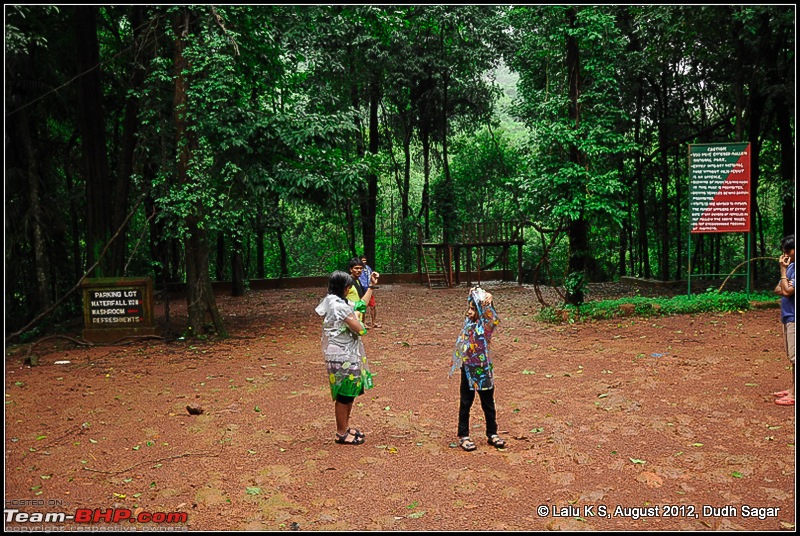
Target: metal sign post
719	197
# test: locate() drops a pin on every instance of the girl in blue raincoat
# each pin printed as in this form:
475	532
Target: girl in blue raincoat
472	356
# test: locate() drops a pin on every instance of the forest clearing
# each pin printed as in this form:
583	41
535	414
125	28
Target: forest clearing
205	162
627	424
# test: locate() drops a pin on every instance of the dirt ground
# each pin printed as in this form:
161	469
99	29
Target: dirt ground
628	424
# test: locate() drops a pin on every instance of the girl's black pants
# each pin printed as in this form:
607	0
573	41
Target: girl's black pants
487	403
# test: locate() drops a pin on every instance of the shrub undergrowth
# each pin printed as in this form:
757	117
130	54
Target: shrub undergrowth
709	302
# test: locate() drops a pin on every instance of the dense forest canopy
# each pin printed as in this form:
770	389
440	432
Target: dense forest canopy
202	143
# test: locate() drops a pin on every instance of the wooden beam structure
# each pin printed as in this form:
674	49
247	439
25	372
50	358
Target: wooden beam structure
473	236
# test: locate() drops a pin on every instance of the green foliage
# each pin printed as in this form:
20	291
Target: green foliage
279	113
18	39
710	302
443	200
482	170
571	174
575	284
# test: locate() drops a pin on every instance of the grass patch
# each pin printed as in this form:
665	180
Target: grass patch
709	302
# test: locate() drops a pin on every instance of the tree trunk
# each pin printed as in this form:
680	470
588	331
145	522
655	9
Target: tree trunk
92	122
786	138
757	102
623	246
578	232
624	238
447	237
276	223
745	118
664	208
678	212
41	299
284	256
369	201
237	270
355	100
350	230
199	292
405	207
259	227
641	204
219	266
200	299
75	227
425	208
130	128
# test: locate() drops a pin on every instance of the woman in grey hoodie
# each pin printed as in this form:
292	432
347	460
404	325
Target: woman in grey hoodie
346	361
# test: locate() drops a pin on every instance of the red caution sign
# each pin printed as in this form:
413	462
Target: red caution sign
720	187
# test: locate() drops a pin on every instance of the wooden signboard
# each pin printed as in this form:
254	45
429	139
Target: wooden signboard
117	307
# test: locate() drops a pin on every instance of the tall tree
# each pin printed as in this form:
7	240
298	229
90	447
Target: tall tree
765	73
275	136
569	98
39	129
139	58
450	92
92	122
200	298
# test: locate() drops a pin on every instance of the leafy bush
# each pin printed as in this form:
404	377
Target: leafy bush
710	302
575	285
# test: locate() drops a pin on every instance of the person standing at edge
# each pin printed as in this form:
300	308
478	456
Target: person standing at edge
357	291
364	280
785	289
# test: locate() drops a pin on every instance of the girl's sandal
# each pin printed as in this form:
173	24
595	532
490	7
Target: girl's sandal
497	442
466	444
356	432
341	439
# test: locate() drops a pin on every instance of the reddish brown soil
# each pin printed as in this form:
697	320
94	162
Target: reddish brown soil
656	416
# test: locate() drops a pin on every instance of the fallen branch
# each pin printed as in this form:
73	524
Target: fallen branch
82	342
186	455
78	284
79	428
35	361
742	264
157	460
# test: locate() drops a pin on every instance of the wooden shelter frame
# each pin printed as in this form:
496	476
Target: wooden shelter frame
442	262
